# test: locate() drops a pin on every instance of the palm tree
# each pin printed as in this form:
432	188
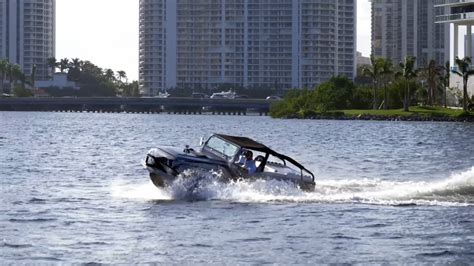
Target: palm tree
52	63
432	72
3	71
16	74
75	69
9	74
63	64
464	71
76	63
445	81
121	75
387	72
374	71
22	79
33	76
109	74
408	73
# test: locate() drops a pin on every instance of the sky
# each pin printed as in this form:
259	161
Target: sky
105	32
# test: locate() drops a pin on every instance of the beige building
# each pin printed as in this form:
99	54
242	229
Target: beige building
362	60
249	43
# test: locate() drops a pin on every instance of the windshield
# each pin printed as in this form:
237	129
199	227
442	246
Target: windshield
221	146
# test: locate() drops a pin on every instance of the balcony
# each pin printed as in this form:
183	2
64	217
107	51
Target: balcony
462	17
441	3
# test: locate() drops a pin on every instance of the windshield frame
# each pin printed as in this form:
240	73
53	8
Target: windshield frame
221	151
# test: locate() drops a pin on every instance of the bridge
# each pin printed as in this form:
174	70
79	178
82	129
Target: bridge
138	105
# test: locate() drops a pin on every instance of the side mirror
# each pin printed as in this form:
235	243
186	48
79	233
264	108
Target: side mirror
201	141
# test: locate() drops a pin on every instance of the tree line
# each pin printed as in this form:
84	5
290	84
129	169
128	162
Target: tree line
93	80
380	85
391	86
382	72
16	78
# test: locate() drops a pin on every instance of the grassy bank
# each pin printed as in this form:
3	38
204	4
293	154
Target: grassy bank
418	113
423	111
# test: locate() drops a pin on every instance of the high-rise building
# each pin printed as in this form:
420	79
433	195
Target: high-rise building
403	28
28	34
249	43
468	47
459	14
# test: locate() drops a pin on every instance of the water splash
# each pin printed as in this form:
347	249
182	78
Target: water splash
145	191
457	190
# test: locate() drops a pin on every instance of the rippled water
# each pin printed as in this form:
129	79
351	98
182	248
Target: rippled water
73	189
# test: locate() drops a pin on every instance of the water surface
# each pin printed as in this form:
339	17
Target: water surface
73	189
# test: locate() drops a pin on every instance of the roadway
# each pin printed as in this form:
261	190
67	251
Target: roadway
146	105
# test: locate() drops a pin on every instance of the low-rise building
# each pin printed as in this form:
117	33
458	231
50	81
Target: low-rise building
59	81
362	60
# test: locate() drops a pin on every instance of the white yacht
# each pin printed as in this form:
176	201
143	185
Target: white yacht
224	95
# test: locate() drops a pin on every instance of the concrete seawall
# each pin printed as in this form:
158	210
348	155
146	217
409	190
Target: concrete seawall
138	105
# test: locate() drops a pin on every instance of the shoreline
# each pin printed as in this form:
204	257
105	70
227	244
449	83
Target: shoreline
469	118
369	117
421	114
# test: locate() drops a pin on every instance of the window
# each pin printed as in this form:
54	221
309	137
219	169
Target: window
222	147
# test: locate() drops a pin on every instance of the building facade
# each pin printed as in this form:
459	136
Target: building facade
28	34
248	43
403	28
458	14
362	60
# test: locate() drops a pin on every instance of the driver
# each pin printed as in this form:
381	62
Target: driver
250	163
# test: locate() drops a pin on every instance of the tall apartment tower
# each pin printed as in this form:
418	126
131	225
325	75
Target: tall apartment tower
403	28
28	34
459	14
250	43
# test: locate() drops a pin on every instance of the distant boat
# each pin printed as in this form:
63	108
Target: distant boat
224	95
163	95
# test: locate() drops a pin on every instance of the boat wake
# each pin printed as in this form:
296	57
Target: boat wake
457	190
